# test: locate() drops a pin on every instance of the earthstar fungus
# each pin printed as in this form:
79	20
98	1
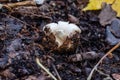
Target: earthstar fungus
64	34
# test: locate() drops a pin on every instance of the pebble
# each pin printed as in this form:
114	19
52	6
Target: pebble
112	40
113	32
115	28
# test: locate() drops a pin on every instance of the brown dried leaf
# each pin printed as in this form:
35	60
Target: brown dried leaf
106	15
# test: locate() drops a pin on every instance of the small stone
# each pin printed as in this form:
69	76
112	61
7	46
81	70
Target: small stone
73	19
90	55
115	27
112	40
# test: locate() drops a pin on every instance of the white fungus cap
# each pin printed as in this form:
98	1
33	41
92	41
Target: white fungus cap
61	31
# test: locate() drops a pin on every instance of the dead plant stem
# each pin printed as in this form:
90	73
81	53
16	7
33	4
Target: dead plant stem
46	70
108	53
56	72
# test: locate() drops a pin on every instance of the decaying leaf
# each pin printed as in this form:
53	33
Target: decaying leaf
106	15
96	5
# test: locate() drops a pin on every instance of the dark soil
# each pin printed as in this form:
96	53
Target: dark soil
21	42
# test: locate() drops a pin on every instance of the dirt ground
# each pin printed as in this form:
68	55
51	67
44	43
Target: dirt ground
21	42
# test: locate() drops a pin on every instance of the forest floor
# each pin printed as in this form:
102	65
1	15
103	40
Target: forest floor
21	43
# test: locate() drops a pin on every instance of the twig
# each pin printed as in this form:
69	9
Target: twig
9	6
102	73
108	53
46	70
56	72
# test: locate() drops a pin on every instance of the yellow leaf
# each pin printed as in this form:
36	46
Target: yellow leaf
116	7
96	4
93	5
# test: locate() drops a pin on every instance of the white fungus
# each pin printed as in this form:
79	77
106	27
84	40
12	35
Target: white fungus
61	31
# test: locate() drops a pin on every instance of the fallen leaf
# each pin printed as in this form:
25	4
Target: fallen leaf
116	7
97	4
106	15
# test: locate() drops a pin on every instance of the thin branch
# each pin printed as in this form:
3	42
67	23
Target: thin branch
46	70
108	53
9	6
56	72
102	73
